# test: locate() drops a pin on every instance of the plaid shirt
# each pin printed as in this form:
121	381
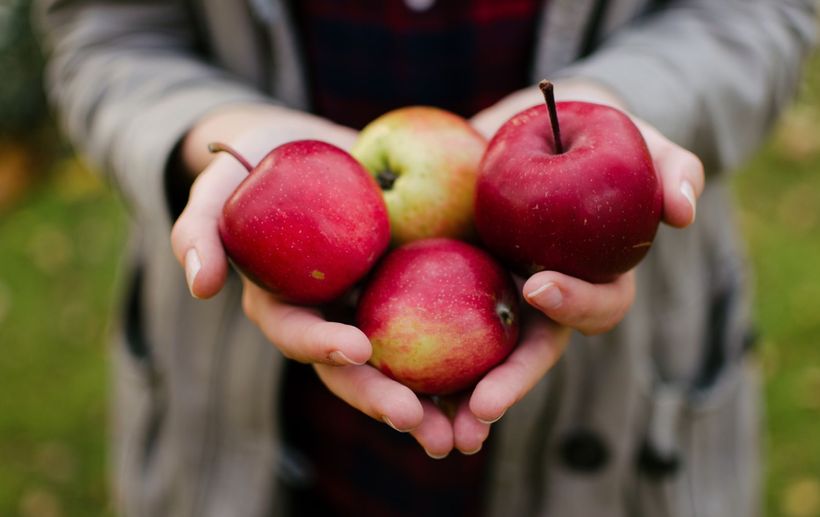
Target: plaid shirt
363	59
367	57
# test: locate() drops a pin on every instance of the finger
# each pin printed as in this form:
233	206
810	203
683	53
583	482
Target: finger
469	433
589	308
195	235
435	433
542	343
682	176
368	390
302	334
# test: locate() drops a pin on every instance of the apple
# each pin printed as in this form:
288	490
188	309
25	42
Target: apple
581	198
307	222
439	313
426	161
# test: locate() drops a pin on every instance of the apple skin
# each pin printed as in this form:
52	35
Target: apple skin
307	223
439	313
435	155
591	212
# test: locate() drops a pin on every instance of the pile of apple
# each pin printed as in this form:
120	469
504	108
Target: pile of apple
311	221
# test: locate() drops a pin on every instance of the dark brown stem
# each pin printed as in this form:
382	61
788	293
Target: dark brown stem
217	147
549	98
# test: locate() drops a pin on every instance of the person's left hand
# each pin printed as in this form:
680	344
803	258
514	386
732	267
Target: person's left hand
562	302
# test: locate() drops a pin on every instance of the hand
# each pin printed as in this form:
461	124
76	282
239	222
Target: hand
337	351
253	131
567	302
462	421
680	173
300	333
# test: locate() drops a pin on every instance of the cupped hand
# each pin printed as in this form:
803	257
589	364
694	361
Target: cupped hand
300	333
253	131
337	351
564	302
560	297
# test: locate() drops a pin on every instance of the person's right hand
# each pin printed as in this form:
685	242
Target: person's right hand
253	130
336	350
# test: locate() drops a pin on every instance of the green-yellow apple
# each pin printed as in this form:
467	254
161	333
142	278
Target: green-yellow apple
439	313
426	161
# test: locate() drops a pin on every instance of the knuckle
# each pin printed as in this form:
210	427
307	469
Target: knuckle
600	322
196	186
314	339
693	163
289	352
178	233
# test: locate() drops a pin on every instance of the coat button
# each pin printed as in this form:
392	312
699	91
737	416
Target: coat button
419	5
657	465
584	451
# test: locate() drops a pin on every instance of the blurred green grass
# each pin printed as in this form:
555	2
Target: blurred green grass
61	248
59	253
779	196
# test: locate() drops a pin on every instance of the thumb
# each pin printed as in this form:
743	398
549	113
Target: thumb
195	235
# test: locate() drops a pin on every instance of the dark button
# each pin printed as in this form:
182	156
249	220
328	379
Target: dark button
657	465
584	451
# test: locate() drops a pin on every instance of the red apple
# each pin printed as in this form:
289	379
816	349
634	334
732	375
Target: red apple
439	313
307	223
588	207
426	161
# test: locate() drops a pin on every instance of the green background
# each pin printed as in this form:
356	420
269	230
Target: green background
62	237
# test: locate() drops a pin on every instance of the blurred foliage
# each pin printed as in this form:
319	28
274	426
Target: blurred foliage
22	101
29	141
59	254
779	197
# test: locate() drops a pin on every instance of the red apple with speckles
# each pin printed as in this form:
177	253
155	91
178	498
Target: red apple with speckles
439	313
307	223
577	195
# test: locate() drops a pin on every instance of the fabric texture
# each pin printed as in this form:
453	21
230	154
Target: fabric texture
195	418
461	55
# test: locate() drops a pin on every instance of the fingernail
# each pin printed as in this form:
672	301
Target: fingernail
436	456
470	453
192	267
341	359
548	296
387	421
496	419
689	193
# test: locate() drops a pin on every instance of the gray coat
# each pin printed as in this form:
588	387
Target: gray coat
658	417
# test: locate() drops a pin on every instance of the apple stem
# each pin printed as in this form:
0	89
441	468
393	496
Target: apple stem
386	179
217	147
549	97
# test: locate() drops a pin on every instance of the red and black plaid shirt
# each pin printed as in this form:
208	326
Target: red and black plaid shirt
365	58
